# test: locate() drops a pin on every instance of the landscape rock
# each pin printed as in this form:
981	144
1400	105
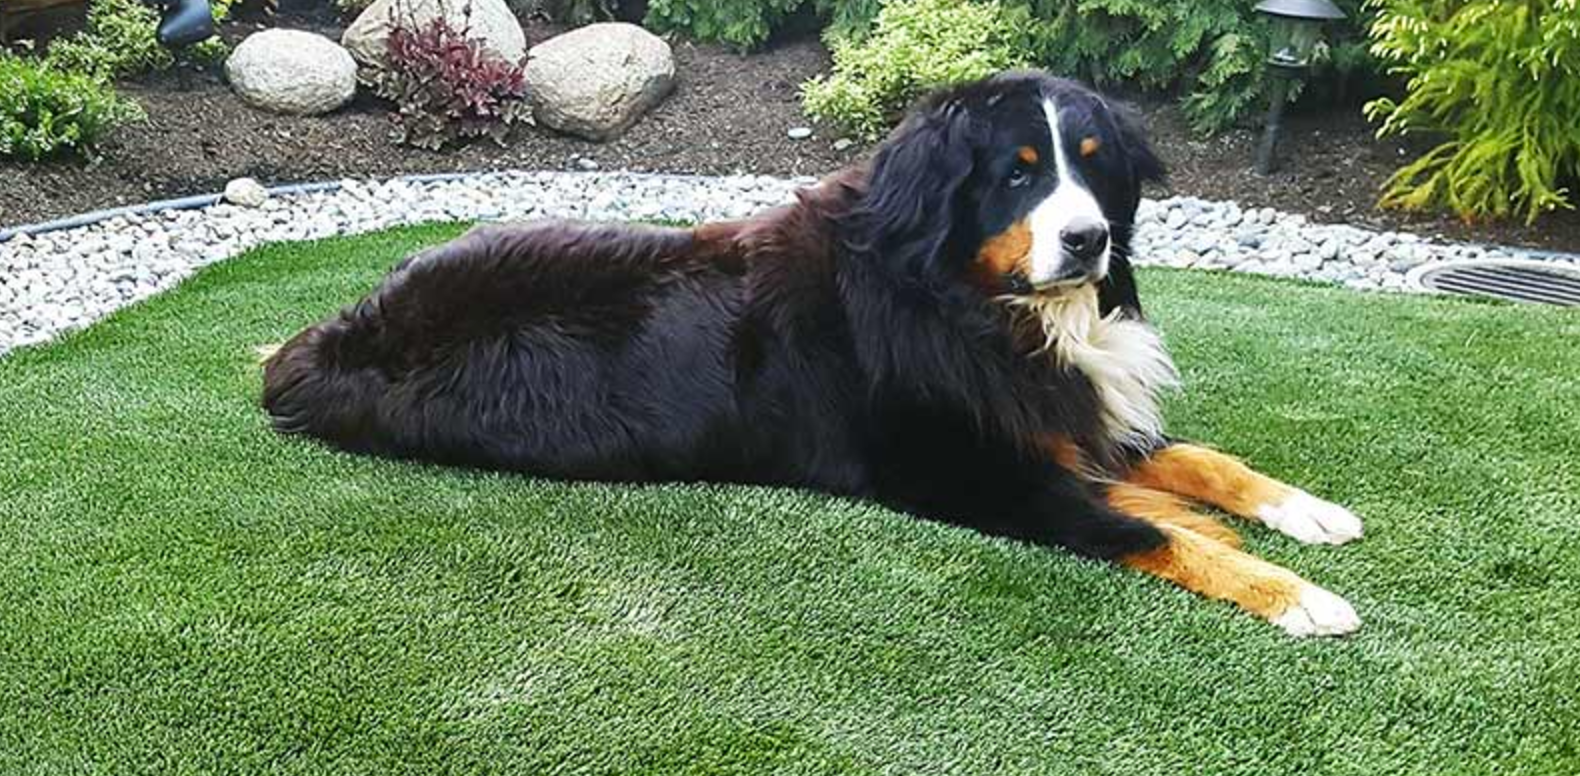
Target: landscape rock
598	80
491	22
245	192
292	72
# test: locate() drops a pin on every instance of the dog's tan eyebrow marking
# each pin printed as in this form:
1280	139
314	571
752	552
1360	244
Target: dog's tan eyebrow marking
1027	154
1090	145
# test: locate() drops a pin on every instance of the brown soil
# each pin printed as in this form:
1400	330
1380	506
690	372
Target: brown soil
729	114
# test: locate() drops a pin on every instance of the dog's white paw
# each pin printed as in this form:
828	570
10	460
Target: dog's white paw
1310	519
1318	613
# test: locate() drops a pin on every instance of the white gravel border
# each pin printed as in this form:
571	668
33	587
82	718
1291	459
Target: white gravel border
64	279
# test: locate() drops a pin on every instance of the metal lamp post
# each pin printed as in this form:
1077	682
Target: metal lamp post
1297	28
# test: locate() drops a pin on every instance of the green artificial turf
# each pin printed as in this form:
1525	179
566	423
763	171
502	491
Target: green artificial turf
182	591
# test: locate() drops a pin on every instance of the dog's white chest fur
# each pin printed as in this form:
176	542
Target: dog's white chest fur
1124	360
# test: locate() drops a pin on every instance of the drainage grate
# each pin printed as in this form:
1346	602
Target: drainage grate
1520	281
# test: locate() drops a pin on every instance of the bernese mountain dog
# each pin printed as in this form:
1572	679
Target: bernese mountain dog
951	329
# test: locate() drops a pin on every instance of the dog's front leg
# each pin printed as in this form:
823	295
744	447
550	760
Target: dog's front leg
1222	481
1157	533
1203	556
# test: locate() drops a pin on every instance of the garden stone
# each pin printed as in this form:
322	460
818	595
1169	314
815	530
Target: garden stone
491	23
245	192
799	133
292	72
598	80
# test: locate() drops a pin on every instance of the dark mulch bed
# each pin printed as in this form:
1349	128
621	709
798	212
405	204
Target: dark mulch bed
729	114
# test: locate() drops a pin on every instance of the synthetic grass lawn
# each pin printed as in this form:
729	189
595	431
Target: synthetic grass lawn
185	592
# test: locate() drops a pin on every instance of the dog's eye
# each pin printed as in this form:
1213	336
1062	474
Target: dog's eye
1019	176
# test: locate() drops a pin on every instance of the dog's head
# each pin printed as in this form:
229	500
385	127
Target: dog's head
1020	184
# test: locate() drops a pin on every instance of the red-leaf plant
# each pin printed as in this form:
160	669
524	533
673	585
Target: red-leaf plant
447	86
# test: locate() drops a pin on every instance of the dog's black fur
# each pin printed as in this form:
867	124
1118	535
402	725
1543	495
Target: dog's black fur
842	343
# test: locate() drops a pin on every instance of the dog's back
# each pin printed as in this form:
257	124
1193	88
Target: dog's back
550	347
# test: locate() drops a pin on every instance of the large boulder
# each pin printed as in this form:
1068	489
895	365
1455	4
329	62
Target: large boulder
491	23
596	81
290	71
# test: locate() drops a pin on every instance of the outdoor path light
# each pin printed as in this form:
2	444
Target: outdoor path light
183	22
1297	28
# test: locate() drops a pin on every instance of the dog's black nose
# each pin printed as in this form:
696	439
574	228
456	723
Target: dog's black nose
1085	238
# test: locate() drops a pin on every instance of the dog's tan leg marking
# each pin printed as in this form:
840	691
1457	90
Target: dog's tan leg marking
1158	507
1201	563
1224	482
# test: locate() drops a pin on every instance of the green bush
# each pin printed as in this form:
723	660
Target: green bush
916	46
1208	51
119	41
1499	78
45	113
740	23
746	24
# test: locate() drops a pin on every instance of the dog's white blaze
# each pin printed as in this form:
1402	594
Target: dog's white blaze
1070	200
1124	359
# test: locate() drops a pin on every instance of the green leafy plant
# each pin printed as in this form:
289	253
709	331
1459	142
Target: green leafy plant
849	20
46	113
1210	52
746	24
118	41
1501	80
447	87
740	23
916	46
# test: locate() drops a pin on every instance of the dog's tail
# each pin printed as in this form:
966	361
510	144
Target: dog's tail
322	384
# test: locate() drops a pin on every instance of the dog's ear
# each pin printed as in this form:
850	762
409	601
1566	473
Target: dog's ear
1145	165
1119	288
905	217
